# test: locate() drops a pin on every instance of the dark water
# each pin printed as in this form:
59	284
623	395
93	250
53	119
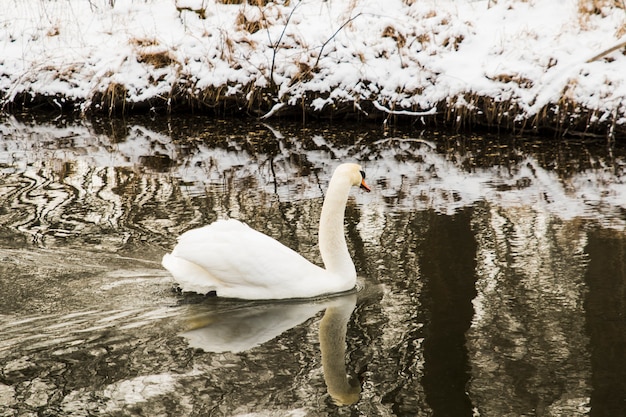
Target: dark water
492	273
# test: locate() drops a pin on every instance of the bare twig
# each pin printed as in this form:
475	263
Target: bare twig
404	112
275	45
333	36
608	51
273	110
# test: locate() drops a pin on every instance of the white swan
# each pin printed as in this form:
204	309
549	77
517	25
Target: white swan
235	261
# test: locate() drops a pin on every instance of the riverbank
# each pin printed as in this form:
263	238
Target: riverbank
515	65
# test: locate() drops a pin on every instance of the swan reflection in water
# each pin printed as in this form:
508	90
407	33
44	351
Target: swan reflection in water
243	327
333	328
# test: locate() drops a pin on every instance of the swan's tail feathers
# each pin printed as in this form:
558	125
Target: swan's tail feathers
189	276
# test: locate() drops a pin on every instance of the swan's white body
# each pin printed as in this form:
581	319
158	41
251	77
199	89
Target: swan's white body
236	261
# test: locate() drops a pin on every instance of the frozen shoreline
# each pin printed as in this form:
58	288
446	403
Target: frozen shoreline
512	64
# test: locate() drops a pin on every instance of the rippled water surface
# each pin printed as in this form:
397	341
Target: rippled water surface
492	273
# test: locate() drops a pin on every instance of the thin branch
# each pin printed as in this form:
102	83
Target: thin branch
275	46
273	110
608	51
404	112
332	37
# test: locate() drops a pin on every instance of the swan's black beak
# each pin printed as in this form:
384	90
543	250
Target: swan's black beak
365	186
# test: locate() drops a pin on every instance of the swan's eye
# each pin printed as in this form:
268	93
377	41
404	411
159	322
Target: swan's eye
362	174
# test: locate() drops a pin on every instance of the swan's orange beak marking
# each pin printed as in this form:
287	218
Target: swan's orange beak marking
365	186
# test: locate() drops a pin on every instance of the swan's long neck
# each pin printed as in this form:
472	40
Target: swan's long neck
332	240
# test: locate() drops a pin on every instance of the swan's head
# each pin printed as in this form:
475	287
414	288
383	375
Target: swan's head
355	173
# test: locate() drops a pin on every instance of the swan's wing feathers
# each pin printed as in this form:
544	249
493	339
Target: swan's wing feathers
239	256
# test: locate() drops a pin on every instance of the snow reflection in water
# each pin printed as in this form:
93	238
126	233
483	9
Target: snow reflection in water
492	274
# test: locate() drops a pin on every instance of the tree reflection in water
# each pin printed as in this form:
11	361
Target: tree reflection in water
491	274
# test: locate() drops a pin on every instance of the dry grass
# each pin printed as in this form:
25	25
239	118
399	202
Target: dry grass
114	98
53	31
453	42
518	79
566	117
598	7
143	42
462	113
589	8
251	99
150	52
156	59
200	11
391	32
244	22
304	74
251	2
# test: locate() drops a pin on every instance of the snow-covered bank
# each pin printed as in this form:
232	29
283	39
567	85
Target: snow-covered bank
509	63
